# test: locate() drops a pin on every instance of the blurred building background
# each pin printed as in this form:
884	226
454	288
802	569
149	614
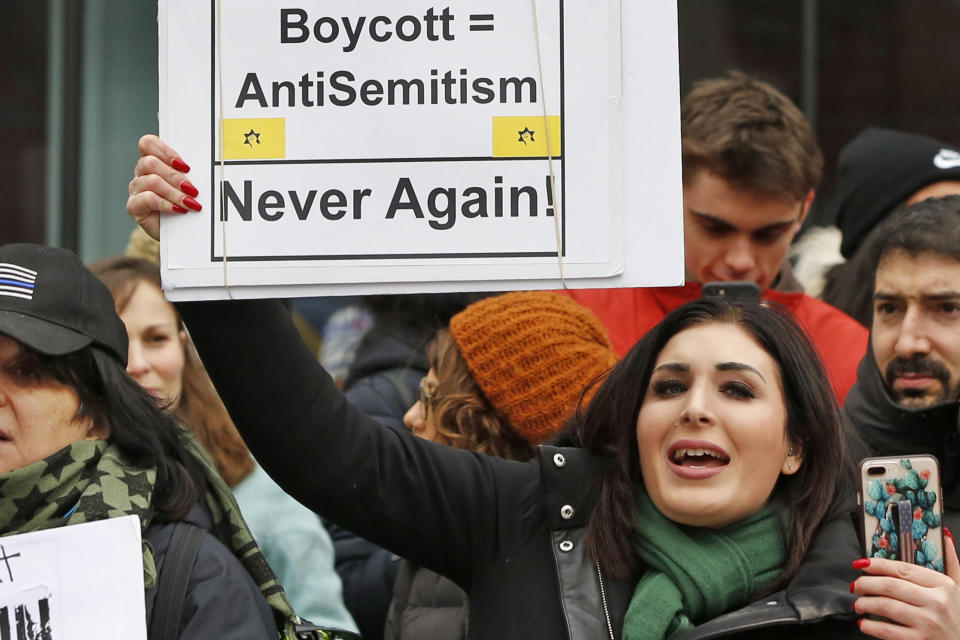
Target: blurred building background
79	86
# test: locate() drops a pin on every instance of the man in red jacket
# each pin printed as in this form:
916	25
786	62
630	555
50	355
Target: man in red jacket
750	167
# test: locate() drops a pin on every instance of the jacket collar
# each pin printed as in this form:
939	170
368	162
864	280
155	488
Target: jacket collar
819	590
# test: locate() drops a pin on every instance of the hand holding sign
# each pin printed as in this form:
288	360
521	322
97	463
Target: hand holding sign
159	185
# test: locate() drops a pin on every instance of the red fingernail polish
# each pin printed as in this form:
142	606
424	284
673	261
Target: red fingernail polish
179	209
862	563
853	586
193	204
946	532
180	165
860	623
187	187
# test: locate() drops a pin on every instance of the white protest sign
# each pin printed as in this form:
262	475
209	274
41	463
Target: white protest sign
80	581
396	146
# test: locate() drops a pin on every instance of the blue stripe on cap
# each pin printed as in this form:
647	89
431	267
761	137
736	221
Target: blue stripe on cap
17	283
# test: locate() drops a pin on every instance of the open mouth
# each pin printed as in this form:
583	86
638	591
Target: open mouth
699	458
696	459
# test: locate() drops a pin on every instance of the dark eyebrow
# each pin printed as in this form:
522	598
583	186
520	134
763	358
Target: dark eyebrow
943	295
882	295
739	366
674	366
161	325
776	226
704	217
726	226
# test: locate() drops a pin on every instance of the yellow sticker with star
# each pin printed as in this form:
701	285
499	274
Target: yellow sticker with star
254	138
525	136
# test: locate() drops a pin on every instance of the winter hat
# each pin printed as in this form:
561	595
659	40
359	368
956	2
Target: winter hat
53	304
878	170
532	353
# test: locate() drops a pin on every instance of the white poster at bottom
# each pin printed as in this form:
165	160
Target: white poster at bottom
80	581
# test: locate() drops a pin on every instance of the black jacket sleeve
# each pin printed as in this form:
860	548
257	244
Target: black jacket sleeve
449	510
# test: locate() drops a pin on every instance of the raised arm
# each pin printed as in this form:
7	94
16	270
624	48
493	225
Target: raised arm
447	509
433	504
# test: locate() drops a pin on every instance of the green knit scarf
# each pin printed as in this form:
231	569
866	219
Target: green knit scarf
91	480
695	573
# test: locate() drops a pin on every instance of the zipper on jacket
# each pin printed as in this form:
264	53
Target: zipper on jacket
603	598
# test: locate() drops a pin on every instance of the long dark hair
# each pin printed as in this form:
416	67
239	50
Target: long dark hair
119	408
608	428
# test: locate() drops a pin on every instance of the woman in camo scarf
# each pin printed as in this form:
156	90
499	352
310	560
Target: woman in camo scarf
81	441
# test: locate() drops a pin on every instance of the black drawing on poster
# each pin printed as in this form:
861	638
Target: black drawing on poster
6	560
28	620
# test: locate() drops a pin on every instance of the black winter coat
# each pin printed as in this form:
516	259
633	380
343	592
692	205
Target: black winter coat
887	429
510	533
222	600
383	383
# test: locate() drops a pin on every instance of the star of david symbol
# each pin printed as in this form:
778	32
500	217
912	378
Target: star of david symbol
523	135
250	137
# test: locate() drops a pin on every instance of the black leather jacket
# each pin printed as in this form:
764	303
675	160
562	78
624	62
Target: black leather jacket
509	533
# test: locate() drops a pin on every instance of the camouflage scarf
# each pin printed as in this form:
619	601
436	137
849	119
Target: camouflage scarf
91	480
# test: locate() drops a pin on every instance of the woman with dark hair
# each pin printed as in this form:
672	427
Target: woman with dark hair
812	479
702	497
81	441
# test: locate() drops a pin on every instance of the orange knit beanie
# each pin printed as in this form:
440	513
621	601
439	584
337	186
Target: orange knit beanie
532	353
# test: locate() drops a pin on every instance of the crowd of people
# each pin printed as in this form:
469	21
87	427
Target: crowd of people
608	463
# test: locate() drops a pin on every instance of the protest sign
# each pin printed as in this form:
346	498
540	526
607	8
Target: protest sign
81	581
345	147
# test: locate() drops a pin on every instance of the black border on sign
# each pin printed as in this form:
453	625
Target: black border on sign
384	256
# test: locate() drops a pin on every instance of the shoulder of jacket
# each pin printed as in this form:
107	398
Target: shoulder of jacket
569	477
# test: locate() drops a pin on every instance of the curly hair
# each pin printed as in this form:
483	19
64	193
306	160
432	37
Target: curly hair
463	416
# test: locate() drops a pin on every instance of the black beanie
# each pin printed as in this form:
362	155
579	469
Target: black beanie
880	169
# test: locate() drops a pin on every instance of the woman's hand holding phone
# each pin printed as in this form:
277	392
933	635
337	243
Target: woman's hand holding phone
159	185
915	602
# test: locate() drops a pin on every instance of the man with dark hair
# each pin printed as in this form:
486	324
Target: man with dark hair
751	165
908	391
907	398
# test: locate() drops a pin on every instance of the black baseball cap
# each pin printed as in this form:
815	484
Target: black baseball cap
878	171
52	303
